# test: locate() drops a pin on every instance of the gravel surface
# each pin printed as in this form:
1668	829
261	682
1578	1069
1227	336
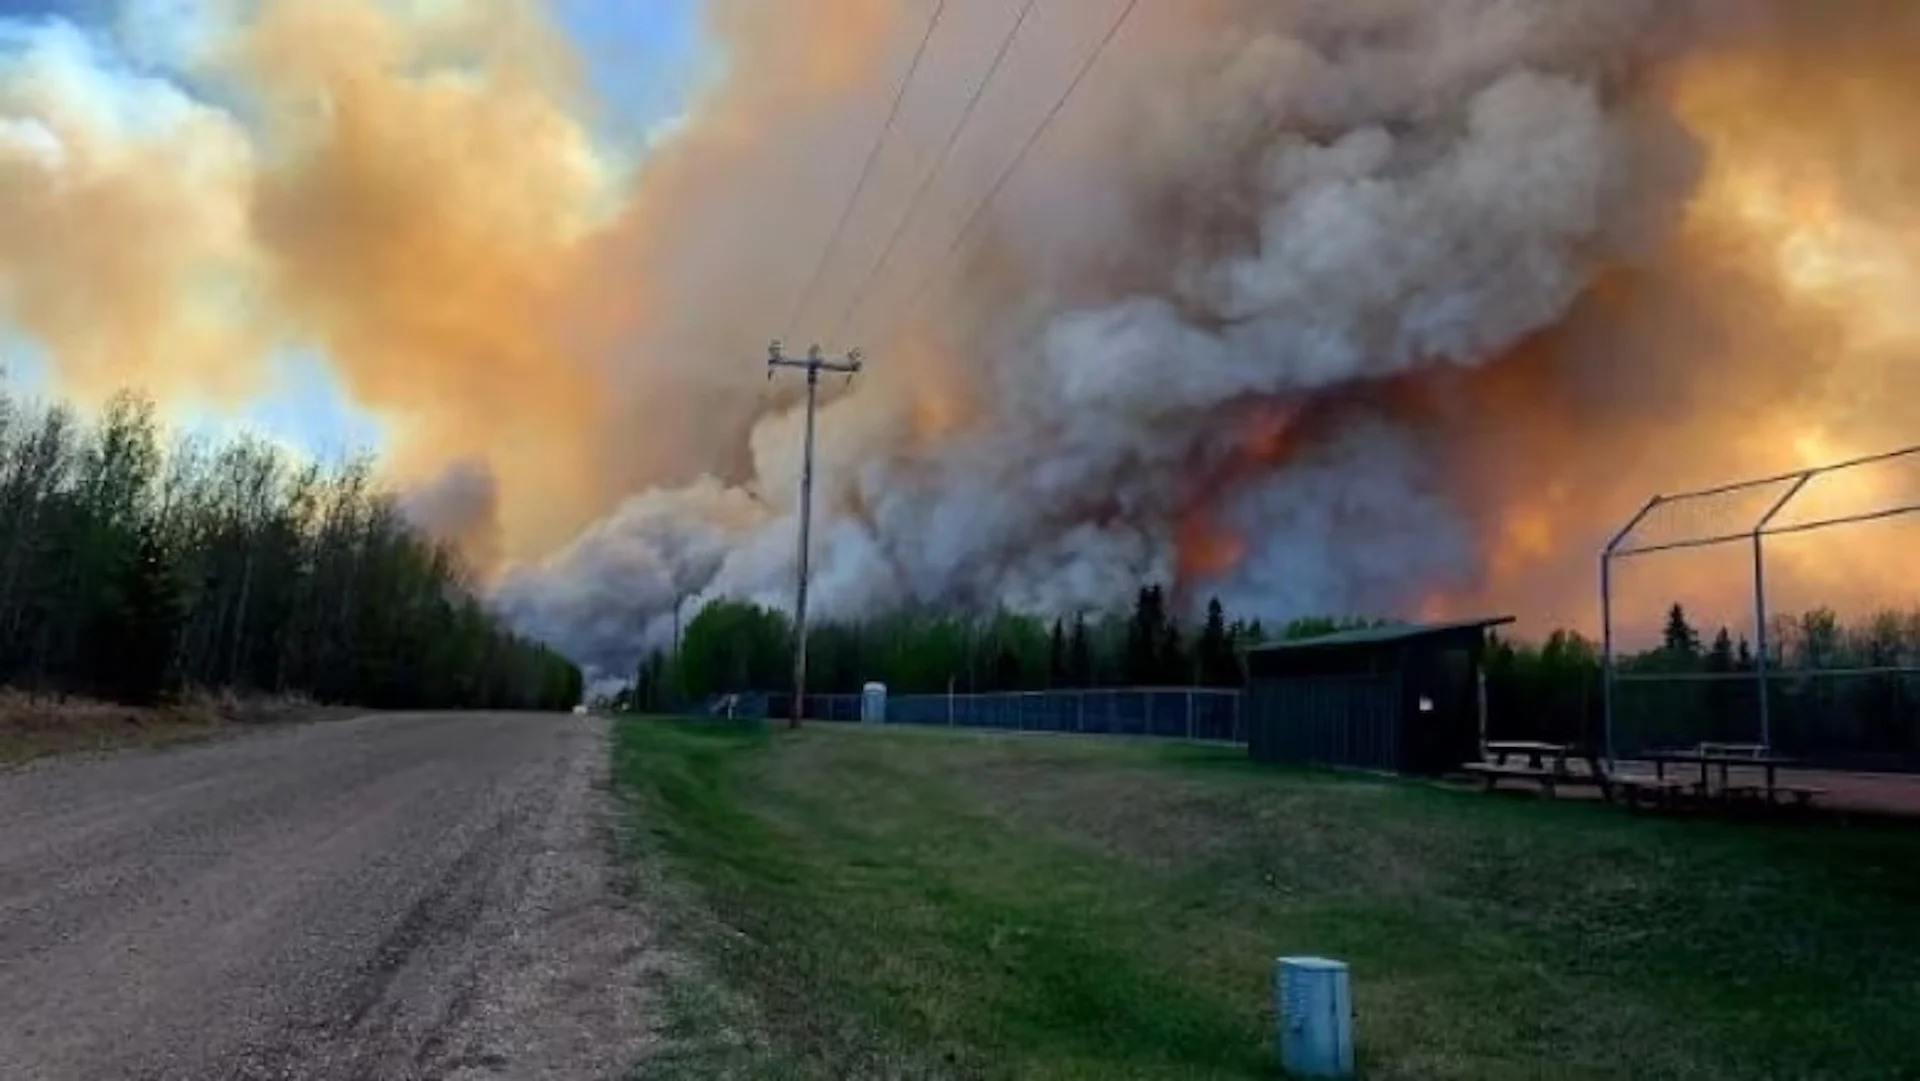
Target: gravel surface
410	896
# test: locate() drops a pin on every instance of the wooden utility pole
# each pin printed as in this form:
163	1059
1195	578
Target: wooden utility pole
815	363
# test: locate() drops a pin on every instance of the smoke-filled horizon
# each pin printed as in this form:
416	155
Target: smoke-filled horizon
1368	306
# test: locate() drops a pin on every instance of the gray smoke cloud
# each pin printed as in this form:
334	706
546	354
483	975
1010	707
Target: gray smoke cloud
1305	199
1315	304
458	507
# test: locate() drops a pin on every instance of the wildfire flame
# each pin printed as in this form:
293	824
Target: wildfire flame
1208	547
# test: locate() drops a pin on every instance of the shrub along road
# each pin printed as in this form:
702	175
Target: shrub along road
413	896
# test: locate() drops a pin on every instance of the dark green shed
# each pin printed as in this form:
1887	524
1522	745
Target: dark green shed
1401	699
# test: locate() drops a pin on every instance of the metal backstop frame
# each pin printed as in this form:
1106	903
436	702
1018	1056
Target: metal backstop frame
1791	486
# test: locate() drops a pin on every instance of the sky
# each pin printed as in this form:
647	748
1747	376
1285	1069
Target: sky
642	58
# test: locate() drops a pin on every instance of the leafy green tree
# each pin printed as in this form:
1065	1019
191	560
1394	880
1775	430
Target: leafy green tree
1215	650
144	628
1305	627
1007	669
1080	655
1821	642
1146	634
1175	667
735	646
129	566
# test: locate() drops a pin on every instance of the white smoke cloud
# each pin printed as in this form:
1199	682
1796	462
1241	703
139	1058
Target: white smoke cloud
614	588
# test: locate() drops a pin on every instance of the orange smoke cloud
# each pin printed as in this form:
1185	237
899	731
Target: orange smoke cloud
429	231
407	188
1774	333
414	190
127	256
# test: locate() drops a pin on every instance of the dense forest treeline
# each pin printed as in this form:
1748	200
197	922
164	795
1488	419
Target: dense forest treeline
732	646
735	646
133	565
1552	686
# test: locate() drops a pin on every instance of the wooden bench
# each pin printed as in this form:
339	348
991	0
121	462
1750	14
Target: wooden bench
1537	754
1743	792
1803	794
1492	773
1549	778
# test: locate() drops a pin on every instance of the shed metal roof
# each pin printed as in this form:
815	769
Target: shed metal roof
1380	636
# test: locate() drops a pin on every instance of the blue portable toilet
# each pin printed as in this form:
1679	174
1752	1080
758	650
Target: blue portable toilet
873	704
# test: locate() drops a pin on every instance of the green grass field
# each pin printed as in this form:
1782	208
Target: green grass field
937	904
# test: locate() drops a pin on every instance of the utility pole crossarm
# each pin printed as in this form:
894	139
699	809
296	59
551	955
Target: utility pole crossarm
814	363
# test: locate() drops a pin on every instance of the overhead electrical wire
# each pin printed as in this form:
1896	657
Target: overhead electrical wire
925	289
927	180
866	170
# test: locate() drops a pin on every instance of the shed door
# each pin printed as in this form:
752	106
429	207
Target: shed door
1447	731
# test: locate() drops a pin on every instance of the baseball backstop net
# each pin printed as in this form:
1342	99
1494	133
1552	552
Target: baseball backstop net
1840	691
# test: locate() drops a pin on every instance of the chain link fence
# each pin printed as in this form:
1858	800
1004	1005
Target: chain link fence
1798	690
1195	713
1846	719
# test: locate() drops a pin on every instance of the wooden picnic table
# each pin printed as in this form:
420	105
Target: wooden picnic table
1724	755
1547	764
1535	751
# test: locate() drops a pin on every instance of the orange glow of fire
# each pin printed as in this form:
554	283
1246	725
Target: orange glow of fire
1207	551
935	416
1206	547
1526	535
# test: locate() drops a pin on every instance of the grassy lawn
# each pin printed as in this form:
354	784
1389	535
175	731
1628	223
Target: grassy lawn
936	904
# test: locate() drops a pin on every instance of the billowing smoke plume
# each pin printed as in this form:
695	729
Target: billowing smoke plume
1323	307
460	508
1317	305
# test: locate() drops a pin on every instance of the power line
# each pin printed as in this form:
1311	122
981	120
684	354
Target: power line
866	170
926	181
921	293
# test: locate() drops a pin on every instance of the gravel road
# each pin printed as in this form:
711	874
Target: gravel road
414	896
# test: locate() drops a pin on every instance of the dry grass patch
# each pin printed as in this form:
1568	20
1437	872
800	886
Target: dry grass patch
38	726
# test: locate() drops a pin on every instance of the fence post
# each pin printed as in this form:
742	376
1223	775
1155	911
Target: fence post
1189	713
1760	639
1607	556
1760	603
